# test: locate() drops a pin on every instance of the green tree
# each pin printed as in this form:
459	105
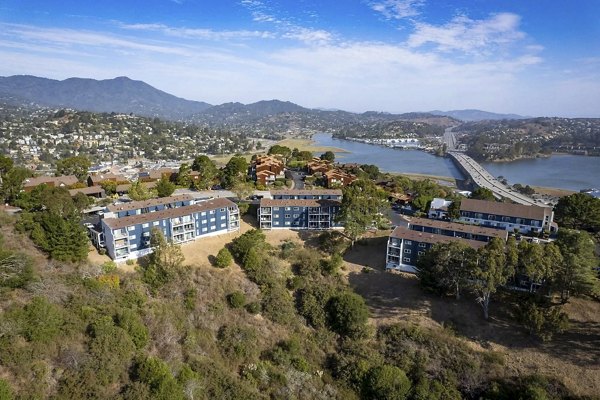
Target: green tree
223	258
445	267
454	209
578	211
6	164
236	299
77	166
283	151
531	262
208	172
164	187
328	156
43	321
363	207
235	171
183	175
482	193
386	382
139	191
164	262
348	315
242	190
575	274
489	272
110	187
12	183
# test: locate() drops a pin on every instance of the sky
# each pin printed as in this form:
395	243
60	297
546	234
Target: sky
530	57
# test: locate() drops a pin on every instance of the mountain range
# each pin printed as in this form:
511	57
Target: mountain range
124	95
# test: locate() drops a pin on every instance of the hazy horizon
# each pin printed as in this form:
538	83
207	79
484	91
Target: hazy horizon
520	57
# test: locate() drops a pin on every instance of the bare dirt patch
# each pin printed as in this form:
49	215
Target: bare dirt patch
572	357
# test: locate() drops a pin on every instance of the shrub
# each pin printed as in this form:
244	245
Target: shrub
253	308
134	326
189	298
236	299
6	392
43	321
109	267
277	304
156	374
311	303
543	321
15	269
332	266
386	382
348	315
224	258
253	239
238	343
129	262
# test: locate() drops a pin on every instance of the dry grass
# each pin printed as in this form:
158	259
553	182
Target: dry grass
573	357
554	192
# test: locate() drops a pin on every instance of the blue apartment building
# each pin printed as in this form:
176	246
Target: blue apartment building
409	241
300	209
126	227
511	217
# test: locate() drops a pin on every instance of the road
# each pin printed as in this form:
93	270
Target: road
297	177
482	178
450	139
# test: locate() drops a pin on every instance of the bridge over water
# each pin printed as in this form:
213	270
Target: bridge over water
482	178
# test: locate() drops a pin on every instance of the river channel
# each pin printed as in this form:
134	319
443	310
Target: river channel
558	171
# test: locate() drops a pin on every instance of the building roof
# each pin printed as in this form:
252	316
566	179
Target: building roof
506	209
401	232
118	223
299	202
106	177
134	205
458	227
88	190
66	180
296	192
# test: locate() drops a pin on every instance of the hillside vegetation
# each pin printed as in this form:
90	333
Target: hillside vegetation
286	325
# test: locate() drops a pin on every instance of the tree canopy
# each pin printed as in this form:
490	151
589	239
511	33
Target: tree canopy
578	211
77	166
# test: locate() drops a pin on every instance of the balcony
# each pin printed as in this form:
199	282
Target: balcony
182	220
120	233
266	210
121	243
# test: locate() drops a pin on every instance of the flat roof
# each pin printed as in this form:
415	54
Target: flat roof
507	209
134	205
299	202
118	223
455	226
401	232
302	192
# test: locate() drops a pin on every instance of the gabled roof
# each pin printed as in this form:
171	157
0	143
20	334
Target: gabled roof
63	180
505	209
458	227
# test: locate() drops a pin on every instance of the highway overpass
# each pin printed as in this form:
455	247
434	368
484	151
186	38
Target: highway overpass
482	178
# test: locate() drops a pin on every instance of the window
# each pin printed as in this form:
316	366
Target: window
407	251
276	216
155	223
287	223
288	208
296	208
422	244
204	221
213	227
211	212
407	242
223	216
131	228
406	259
421	253
213	219
296	215
288	216
132	237
222	210
223	225
204	229
491	217
146	225
203	213
275	208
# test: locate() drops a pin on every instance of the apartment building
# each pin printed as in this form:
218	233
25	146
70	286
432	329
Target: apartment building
126	227
300	209
412	239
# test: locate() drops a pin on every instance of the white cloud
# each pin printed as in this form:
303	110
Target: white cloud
200	33
468	35
398	9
